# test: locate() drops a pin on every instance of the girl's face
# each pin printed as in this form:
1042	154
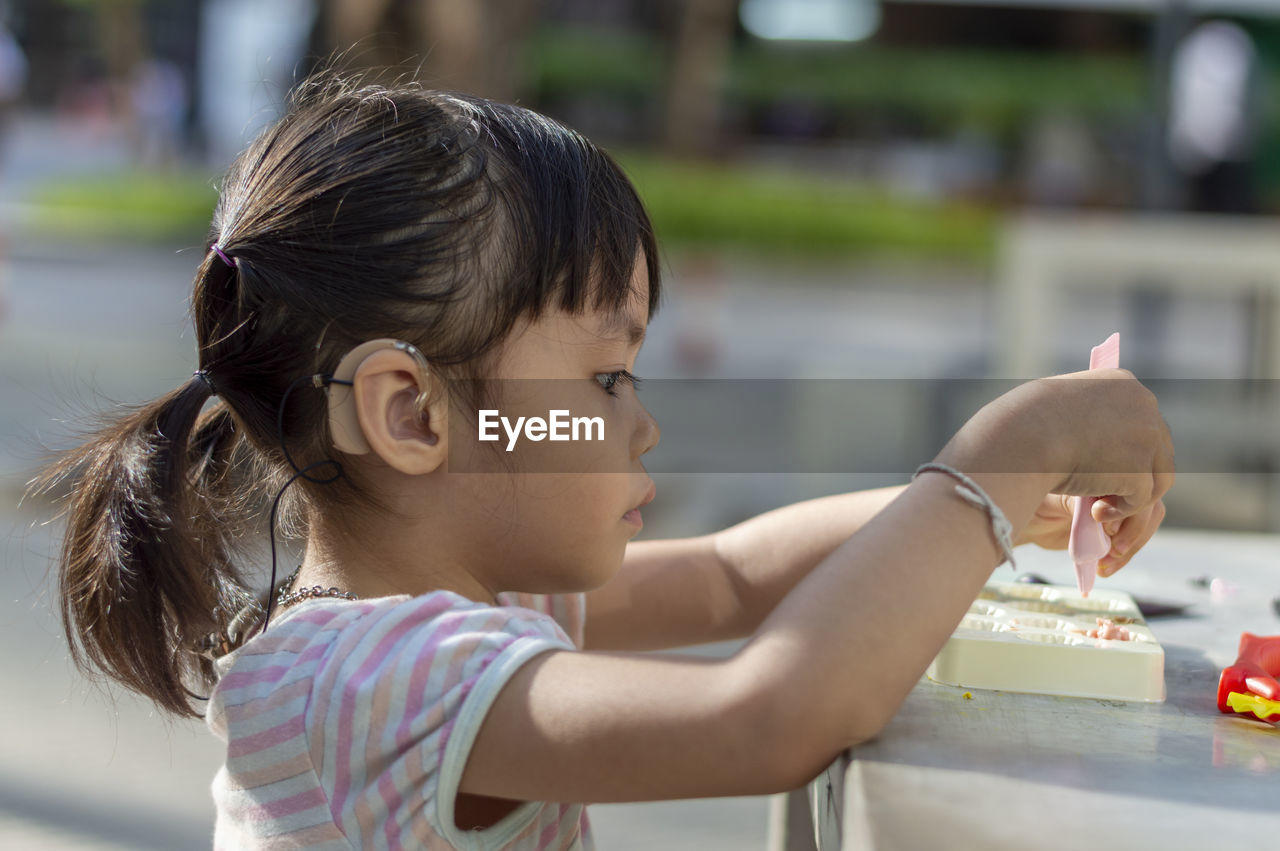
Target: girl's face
555	515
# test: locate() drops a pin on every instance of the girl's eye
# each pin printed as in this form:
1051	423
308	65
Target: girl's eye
609	380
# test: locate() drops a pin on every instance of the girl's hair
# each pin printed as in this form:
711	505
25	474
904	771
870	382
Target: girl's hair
364	212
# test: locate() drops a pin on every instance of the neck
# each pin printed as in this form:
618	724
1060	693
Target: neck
384	564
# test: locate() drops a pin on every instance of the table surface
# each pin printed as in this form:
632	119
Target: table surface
1019	771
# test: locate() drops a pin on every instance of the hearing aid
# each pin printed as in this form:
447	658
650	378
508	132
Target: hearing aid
344	423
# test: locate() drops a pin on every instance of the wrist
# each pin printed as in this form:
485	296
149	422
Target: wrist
974	494
1012	436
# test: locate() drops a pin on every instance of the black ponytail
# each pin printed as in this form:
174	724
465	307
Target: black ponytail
147	568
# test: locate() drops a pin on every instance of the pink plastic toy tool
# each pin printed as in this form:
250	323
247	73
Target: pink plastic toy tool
1089	542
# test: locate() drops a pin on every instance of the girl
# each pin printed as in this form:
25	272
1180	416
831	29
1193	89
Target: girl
451	665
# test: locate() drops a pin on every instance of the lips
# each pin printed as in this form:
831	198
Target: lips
648	497
633	516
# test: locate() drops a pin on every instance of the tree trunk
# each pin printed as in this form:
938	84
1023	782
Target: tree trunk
474	46
122	38
698	70
352	20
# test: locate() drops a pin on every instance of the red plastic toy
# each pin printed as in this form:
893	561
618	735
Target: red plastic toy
1249	686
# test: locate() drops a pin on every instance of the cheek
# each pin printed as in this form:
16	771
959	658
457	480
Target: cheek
579	429
570	529
578	505
599	445
607	455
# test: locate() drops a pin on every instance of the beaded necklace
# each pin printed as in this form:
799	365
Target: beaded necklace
285	597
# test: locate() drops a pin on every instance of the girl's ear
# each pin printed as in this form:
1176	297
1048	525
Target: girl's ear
385	389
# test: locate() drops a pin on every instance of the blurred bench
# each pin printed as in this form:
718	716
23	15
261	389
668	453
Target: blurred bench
1045	256
1042	253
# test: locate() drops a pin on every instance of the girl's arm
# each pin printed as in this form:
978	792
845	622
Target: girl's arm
832	663
673	593
826	670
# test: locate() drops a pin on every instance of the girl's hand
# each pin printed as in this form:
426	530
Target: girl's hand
1050	527
1096	433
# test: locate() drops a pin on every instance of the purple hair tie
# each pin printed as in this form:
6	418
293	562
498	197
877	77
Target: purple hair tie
217	249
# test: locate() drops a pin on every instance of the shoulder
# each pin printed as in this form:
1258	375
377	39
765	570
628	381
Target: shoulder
440	638
369	632
339	645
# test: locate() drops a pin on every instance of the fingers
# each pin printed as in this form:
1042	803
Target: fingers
1147	490
1131	535
1051	527
1116	507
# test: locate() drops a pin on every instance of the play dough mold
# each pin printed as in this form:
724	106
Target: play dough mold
1034	638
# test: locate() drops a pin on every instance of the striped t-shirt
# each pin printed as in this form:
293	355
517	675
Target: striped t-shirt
348	723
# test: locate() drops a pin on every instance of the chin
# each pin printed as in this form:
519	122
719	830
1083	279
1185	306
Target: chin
578	577
603	569
595	577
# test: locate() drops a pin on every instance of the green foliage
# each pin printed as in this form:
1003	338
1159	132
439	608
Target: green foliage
624	65
995	90
985	88
134	205
705	205
758	211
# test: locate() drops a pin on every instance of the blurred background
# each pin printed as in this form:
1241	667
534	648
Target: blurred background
920	193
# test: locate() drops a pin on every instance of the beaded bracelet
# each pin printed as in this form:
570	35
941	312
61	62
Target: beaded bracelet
972	493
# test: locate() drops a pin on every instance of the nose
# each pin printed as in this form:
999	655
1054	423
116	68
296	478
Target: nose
647	432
